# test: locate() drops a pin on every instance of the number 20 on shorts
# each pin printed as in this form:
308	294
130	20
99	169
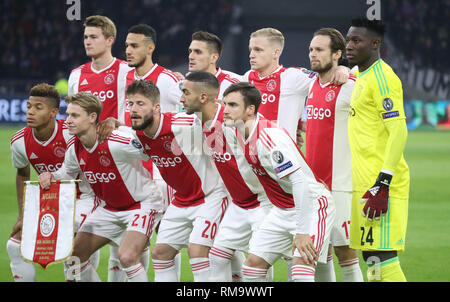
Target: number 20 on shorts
210	230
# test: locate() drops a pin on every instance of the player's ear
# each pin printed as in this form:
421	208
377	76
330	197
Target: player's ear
157	108
214	58
204	97
376	42
337	55
277	53
251	110
93	117
54	111
150	47
110	41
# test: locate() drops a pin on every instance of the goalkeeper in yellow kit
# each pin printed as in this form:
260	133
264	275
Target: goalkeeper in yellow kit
377	135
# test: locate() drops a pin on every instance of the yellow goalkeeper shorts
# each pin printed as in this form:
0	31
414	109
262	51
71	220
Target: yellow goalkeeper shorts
386	234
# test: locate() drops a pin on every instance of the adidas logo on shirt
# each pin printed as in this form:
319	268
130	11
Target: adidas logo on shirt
33	156
85	82
82	162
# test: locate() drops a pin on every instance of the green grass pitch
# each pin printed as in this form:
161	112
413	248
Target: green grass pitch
428	236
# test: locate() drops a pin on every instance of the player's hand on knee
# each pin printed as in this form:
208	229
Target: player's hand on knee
377	197
305	247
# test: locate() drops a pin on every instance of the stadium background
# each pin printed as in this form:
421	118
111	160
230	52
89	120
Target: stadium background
39	44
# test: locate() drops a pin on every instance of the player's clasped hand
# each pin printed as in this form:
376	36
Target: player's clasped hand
45	180
377	197
305	246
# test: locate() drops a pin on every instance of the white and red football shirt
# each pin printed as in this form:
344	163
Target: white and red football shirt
225	79
273	155
114	171
167	83
107	84
283	94
177	151
45	156
234	170
327	145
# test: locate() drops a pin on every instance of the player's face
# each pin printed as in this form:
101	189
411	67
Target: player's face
358	45
95	42
320	55
262	54
235	111
78	120
40	112
200	59
190	97
142	111
137	49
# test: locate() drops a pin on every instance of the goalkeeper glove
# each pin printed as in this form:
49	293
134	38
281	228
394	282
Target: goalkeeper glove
376	198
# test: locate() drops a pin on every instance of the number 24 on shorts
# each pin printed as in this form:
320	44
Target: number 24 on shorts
366	237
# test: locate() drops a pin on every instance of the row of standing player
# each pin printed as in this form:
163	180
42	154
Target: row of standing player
273	81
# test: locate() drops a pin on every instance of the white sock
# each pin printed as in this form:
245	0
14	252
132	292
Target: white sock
302	273
269	275
177	260
289	268
351	272
87	273
115	271
136	273
220	260
145	258
236	266
200	269
253	274
95	259
165	270
325	271
22	271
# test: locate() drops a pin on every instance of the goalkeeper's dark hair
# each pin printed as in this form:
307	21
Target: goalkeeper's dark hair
47	91
144	29
375	26
250	94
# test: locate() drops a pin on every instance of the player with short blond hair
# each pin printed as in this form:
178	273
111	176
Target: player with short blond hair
104	76
283	89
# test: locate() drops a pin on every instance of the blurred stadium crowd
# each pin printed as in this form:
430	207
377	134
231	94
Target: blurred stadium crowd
419	28
38	42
